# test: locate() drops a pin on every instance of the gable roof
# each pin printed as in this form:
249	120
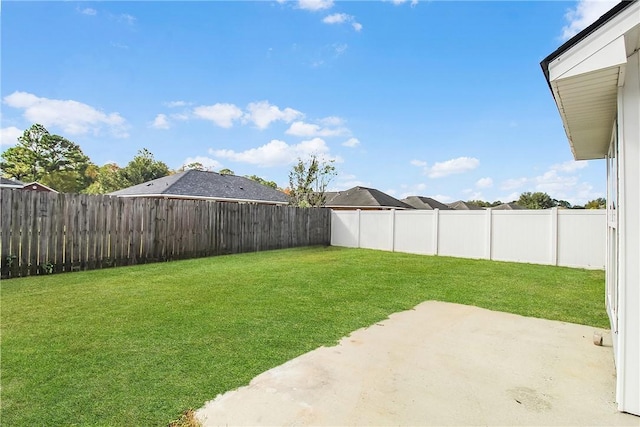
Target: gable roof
363	197
420	202
195	184
584	75
464	206
35	185
10	183
511	206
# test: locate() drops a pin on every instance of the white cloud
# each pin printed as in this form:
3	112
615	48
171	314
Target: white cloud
277	153
513	183
126	18
73	117
222	115
570	166
418	163
351	142
442	198
484	182
88	11
412	190
161	122
514	196
262	114
180	116
340	48
174	104
554	184
585	13
453	166
315	5
331	121
565	187
347	181
342	18
337	18
9	136
303	129
207	162
399	2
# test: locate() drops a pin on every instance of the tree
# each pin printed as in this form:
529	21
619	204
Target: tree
484	204
226	171
107	178
309	180
49	159
262	181
537	200
192	166
562	204
599	203
143	168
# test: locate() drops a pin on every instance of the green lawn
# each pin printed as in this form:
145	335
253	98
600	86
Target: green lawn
139	345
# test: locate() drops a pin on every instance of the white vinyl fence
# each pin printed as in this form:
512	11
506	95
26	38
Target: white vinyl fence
570	238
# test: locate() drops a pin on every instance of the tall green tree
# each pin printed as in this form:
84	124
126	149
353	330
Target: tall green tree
537	200
308	181
49	159
262	181
107	178
144	167
599	203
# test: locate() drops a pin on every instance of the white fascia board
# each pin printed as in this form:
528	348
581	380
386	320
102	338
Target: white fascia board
600	39
611	55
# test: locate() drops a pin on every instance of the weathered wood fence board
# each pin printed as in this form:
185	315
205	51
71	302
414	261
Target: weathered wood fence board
43	233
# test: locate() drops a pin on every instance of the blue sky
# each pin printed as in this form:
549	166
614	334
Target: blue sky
441	98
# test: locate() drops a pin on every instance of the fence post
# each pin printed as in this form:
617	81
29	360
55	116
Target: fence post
436	228
393	230
489	233
358	229
554	236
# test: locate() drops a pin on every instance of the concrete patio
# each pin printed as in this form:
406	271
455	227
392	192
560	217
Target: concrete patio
438	364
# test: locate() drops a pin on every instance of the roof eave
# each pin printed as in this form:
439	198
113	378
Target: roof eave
213	199
584	75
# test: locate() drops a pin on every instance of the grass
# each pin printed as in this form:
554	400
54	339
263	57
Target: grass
141	345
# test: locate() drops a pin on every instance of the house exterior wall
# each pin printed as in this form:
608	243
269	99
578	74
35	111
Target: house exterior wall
627	351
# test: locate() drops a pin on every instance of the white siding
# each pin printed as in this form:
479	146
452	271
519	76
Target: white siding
628	351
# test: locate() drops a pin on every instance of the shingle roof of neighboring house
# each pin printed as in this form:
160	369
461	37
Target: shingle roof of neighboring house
195	184
420	202
363	197
508	207
11	183
464	206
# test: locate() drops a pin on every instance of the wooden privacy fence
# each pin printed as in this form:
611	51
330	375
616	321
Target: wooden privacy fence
44	233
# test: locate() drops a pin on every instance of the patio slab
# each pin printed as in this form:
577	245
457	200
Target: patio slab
438	364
